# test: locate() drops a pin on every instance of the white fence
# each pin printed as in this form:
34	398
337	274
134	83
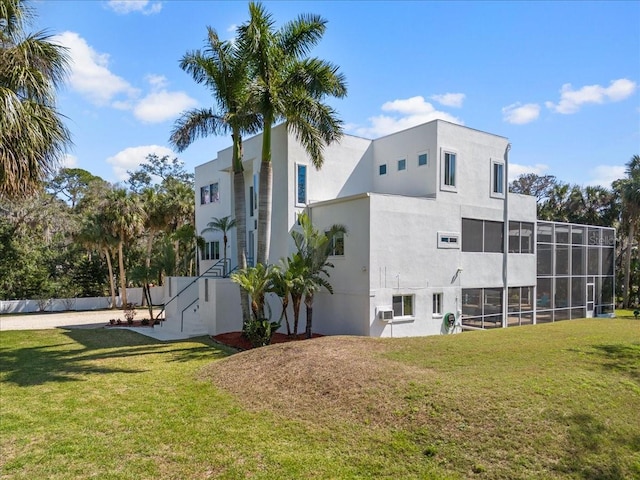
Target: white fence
134	295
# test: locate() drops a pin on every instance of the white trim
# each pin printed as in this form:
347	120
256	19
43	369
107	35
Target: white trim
306	185
443	154
492	192
444	240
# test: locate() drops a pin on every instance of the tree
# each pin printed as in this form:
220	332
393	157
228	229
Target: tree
222	68
539	186
314	247
630	192
33	137
288	86
257	282
124	217
95	234
223	225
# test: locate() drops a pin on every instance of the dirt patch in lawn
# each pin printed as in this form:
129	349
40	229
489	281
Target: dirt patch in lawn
337	377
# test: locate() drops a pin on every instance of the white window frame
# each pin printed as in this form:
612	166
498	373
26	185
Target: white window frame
444	240
426	154
436	305
337	236
413	306
402	162
298	166
494	183
443	163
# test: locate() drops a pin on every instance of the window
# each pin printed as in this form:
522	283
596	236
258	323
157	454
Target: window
382	169
437	304
402	164
482	307
337	244
403	305
211	251
448	240
449	169
422	159
301	184
520	237
482	236
497	179
251	205
209	194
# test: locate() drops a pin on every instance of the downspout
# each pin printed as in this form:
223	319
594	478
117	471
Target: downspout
505	240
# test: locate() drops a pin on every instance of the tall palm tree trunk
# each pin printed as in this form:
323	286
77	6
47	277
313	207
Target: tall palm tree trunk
241	219
123	278
627	267
112	286
265	199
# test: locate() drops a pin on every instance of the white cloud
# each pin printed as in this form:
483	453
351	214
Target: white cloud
412	111
519	114
571	100
604	175
161	104
515	170
90	74
145	7
69	161
131	158
450	99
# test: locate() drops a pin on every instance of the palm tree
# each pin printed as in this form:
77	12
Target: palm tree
288	87
630	192
33	137
94	234
314	247
223	225
224	70
125	219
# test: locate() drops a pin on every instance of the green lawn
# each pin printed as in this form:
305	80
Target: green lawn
550	401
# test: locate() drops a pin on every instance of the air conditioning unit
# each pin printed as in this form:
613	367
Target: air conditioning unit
385	314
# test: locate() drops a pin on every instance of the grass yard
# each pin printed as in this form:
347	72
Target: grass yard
550	401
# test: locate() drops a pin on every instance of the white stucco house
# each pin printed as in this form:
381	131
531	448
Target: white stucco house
432	231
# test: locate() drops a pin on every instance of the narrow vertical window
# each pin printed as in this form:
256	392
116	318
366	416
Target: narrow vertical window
497	179
382	169
437	304
450	169
215	250
251	205
215	197
301	184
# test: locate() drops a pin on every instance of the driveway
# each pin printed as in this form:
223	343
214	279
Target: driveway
42	321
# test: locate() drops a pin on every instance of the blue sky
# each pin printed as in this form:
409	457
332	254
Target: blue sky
559	79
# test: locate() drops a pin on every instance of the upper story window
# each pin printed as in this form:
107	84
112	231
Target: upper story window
209	194
337	244
403	305
211	251
382	169
449	177
497	179
482	236
253	195
402	164
301	184
423	158
520	237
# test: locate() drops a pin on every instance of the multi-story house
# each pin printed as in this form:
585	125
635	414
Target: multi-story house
435	243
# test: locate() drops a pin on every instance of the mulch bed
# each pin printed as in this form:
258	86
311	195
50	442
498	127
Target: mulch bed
136	323
236	340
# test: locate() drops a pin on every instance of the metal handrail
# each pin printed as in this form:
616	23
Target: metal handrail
205	274
182	314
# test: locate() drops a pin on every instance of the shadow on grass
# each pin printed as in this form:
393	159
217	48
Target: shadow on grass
590	453
621	357
65	362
